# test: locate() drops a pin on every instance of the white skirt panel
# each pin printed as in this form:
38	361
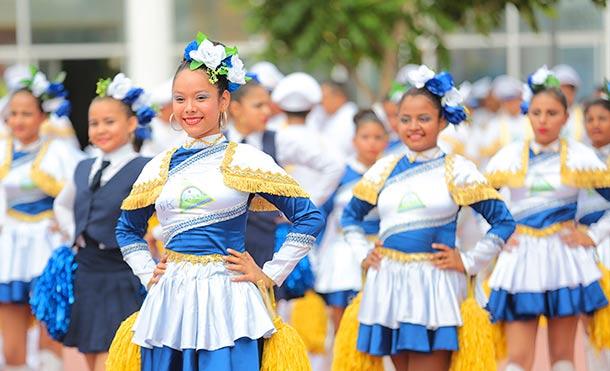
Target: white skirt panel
25	249
197	306
603	252
338	269
540	264
416	293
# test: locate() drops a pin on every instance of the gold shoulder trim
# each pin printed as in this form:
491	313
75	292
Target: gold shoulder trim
257	181
5	167
146	193
581	178
499	179
58	132
367	190
29	218
467	194
43	180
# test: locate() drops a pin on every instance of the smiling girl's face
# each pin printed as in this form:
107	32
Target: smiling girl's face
111	124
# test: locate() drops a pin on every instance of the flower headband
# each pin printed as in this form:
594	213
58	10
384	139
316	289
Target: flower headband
218	60
605	90
121	88
52	94
443	87
540	80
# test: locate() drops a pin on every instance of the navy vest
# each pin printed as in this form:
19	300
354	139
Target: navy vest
96	214
260	229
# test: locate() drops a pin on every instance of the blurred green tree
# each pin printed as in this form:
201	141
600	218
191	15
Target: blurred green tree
346	32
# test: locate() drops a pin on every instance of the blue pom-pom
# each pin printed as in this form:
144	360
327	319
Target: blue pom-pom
145	115
57	89
440	84
53	293
132	95
455	114
143	132
191	46
525	106
301	279
64	109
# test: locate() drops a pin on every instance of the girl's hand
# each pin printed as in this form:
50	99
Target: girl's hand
158	272
373	259
244	263
512	243
447	258
576	237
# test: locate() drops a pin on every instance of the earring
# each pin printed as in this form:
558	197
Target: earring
171	123
223	119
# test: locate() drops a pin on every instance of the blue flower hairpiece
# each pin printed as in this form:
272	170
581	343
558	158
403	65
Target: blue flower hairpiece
121	88
442	86
218	60
540	80
52	94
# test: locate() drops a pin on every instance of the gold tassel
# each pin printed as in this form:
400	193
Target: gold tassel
475	338
285	349
599	326
345	355
310	319
124	355
497	330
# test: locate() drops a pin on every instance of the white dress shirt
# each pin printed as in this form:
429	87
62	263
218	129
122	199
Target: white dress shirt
337	128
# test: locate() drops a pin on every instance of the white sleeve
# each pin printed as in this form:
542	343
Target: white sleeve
3	206
600	230
63	208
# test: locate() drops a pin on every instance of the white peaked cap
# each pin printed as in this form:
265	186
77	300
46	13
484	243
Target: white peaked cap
13	75
162	94
481	88
297	92
566	75
506	87
267	74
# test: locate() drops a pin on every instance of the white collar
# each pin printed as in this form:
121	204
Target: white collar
235	136
125	151
538	148
427	155
358	166
198	143
603	151
20	147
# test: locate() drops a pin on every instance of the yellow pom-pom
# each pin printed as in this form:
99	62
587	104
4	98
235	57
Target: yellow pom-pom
599	326
345	355
124	355
475	339
310	319
284	350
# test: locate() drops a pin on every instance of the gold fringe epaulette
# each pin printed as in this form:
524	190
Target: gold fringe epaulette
5	167
514	179
467	194
581	178
146	193
43	180
258	181
367	190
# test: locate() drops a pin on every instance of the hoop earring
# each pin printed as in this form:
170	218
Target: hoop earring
171	123
222	120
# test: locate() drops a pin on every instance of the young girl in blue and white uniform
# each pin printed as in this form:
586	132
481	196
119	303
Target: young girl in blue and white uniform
410	307
338	274
205	312
105	289
547	268
32	173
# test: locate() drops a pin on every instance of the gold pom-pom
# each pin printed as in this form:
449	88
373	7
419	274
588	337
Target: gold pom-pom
345	355
310	319
497	330
475	338
599	326
124	355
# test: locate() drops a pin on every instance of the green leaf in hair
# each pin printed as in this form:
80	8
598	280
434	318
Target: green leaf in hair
195	64
102	87
201	37
552	82
230	50
60	77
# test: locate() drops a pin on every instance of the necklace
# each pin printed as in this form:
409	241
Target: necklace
207	143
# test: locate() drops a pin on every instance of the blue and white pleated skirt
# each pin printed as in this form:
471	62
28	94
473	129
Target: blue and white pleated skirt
410	307
603	252
544	276
338	272
196	318
25	248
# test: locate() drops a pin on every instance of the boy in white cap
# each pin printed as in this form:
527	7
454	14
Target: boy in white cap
269	76
570	82
163	135
310	160
509	124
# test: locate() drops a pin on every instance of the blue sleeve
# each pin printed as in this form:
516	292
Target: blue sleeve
131	228
354	212
604	192
498	216
302	213
328	206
